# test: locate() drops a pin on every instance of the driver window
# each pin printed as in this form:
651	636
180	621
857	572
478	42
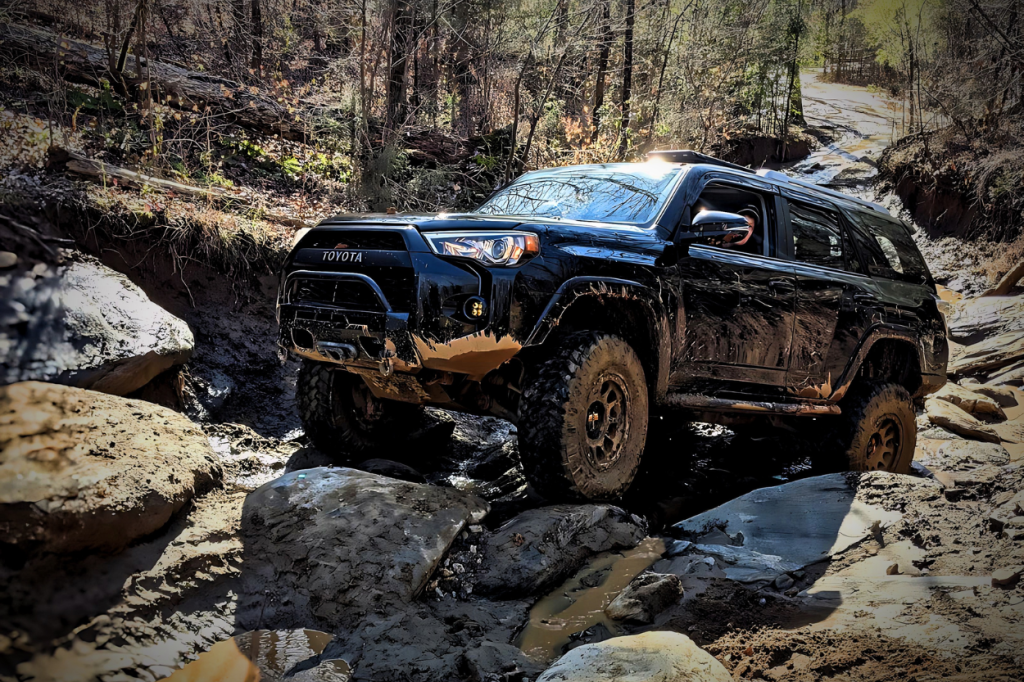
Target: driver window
748	204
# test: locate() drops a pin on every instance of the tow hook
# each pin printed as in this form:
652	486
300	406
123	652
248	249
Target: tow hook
387	363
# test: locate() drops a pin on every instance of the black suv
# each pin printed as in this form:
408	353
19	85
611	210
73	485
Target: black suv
575	301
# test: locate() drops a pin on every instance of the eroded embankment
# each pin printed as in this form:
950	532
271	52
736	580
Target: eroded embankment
952	185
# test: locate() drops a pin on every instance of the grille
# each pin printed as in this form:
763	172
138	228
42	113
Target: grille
371	240
351	294
397	285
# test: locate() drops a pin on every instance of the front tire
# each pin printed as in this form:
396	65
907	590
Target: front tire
342	417
583	419
878	430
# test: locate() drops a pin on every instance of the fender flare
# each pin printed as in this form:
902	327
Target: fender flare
874	335
577	288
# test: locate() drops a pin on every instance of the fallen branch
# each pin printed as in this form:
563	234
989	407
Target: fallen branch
80	62
1008	281
103	172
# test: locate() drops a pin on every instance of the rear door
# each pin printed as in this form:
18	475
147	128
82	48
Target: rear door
835	299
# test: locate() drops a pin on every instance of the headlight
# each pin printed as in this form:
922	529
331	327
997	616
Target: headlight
489	248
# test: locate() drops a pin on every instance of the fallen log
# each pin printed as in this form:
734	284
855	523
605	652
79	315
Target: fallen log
1008	282
80	62
104	172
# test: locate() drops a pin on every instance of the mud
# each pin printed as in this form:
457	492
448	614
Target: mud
579	603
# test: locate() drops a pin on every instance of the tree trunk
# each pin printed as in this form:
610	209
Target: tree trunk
627	76
239	31
401	31
256	64
602	66
461	72
87	64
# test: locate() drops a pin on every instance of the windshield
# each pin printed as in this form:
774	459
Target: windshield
631	194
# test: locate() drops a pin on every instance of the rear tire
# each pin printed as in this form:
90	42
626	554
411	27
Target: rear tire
878	429
583	419
342	417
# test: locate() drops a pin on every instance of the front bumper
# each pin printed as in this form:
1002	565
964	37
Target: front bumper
350	318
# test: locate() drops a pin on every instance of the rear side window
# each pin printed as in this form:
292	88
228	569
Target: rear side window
888	249
817	236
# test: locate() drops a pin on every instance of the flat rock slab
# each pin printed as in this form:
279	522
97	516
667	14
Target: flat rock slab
81	470
970	401
86	326
788	526
541	547
649	657
949	416
993	353
979	318
959	455
334	544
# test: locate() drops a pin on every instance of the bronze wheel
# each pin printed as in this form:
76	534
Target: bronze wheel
877	430
583	419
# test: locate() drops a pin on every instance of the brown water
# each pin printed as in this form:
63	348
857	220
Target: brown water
580	601
263	655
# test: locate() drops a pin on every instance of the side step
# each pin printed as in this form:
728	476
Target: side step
703	402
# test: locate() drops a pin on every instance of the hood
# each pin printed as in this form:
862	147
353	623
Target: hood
429	222
437	222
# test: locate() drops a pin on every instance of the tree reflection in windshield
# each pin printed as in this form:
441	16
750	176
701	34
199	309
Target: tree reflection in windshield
633	194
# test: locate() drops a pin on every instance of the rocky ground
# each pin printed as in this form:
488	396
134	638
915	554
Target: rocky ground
139	542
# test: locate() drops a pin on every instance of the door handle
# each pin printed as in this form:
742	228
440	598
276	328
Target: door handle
863	296
781	286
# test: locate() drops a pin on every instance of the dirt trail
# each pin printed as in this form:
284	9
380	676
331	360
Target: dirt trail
863	123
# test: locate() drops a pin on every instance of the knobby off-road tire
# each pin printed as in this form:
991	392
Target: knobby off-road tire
583	419
340	415
877	430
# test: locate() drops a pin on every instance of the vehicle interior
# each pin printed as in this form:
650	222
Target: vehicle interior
722	197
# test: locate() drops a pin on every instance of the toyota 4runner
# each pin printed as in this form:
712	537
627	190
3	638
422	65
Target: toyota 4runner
575	301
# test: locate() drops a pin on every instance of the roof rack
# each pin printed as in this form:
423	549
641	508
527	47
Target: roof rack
783	178
690	156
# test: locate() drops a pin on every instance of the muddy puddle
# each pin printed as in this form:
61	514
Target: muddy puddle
579	603
266	655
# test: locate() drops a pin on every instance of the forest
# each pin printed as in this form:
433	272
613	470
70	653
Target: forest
425	104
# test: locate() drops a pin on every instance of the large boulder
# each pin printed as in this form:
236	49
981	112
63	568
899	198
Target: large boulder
88	326
81	470
541	547
649	657
340	543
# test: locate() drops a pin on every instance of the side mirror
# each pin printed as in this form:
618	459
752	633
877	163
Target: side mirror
707	222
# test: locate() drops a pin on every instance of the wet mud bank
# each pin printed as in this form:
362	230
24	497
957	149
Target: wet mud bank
953	187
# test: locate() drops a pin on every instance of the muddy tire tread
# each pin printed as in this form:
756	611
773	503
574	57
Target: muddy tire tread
332	432
542	413
855	425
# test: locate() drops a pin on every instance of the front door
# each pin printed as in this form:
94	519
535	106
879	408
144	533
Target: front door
736	301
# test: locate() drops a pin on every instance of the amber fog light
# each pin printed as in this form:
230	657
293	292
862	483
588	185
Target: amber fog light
475	308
